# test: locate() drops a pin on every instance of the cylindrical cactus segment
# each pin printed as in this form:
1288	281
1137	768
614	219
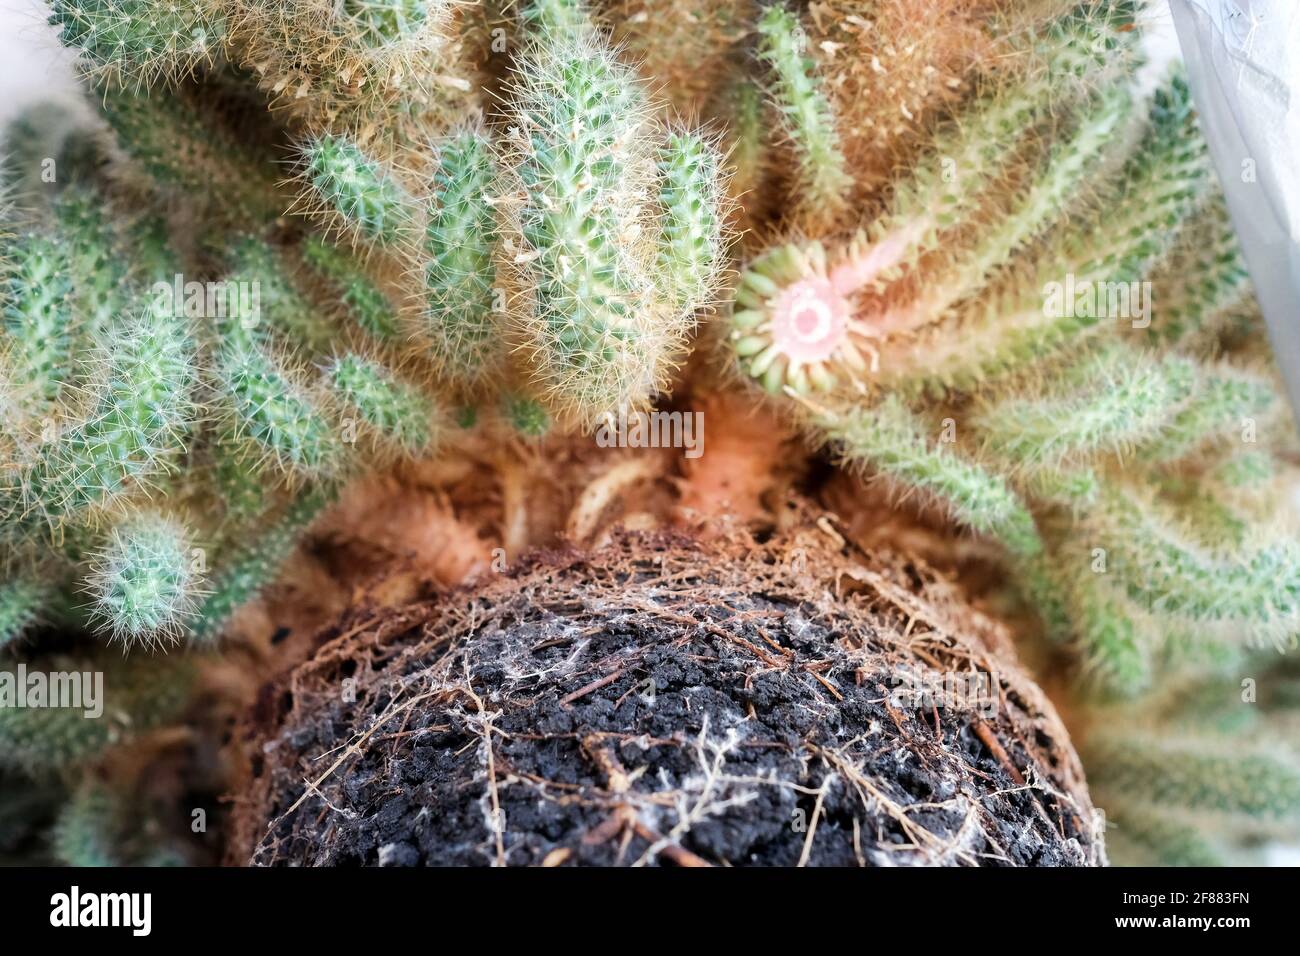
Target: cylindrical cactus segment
461	315
691	250
747	146
135	42
85	831
256	560
823	182
22	599
141	413
1199	775
1203	278
275	412
599	337
1107	402
144	582
1163	182
262	290
368	304
237	477
95	264
37	317
1254	590
1221	402
381	22
892	440
398	412
357	189
1118	652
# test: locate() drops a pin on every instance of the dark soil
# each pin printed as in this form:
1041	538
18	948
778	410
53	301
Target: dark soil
665	701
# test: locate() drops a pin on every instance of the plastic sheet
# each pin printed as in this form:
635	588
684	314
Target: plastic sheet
1243	62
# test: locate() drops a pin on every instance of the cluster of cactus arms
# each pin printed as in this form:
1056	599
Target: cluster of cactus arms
167	402
1203	772
1065	360
309	238
1048	354
198	349
580	231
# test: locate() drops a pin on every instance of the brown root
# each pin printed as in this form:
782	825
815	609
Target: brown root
667	700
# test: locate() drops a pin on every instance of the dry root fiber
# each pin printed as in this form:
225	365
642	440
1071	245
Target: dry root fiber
667	700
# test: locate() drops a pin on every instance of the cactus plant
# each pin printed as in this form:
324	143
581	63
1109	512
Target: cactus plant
823	180
356	188
268	388
21	602
461	318
144	583
137	42
600	306
978	265
1030	447
1056	377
